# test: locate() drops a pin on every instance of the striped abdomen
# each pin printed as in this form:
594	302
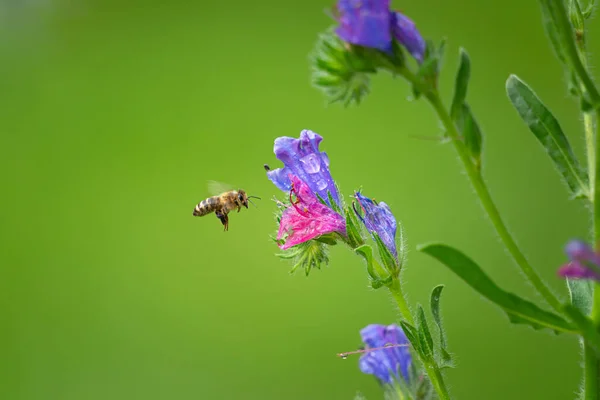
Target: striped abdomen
206	206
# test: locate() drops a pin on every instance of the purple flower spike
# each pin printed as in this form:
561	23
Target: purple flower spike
302	158
405	32
585	263
378	218
385	364
307	218
365	23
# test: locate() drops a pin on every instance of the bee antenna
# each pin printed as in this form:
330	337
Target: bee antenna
252	201
254	197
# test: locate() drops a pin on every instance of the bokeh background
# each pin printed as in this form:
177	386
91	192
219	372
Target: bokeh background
115	114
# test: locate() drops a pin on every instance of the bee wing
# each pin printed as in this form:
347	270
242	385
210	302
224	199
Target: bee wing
216	188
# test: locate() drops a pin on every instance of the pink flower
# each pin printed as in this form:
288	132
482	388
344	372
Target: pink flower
307	218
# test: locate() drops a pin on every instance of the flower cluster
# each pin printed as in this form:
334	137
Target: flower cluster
315	213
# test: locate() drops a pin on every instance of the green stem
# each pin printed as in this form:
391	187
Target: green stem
438	382
591	373
433	371
396	291
482	191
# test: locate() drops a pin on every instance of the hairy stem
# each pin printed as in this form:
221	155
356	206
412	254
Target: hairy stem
482	191
433	371
396	291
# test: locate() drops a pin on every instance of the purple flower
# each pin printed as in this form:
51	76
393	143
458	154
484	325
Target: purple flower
307	218
365	23
378	218
584	264
302	158
371	23
406	32
385	364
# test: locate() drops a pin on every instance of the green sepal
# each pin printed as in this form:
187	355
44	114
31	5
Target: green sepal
388	259
548	132
519	310
329	239
373	266
429	69
353	229
308	255
586	327
425	339
446	358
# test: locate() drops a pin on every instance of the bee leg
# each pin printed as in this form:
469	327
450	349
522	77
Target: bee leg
223	218
239	208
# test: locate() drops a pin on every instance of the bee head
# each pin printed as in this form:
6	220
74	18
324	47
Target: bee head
242	198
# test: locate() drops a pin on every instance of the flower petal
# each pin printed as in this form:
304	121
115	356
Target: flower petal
365	23
307	218
576	270
389	362
301	157
406	32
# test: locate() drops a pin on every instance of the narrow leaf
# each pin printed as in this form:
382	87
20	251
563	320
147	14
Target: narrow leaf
547	130
424	334
435	311
460	84
411	335
520	311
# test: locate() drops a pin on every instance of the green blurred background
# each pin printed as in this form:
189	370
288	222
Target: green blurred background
114	115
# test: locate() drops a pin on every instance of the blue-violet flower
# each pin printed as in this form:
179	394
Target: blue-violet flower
378	218
584	264
301	157
371	23
389	363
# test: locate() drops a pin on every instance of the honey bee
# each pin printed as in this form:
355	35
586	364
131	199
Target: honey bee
223	203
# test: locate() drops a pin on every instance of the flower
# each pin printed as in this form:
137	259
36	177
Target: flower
301	157
405	32
307	218
388	363
371	23
584	264
378	218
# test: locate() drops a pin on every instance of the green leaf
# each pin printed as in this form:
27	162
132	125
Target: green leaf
460	84
435	311
581	292
585	325
469	127
547	130
520	311
412	335
376	281
425	338
553	34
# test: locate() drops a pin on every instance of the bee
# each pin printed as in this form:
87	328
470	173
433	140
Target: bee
223	203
